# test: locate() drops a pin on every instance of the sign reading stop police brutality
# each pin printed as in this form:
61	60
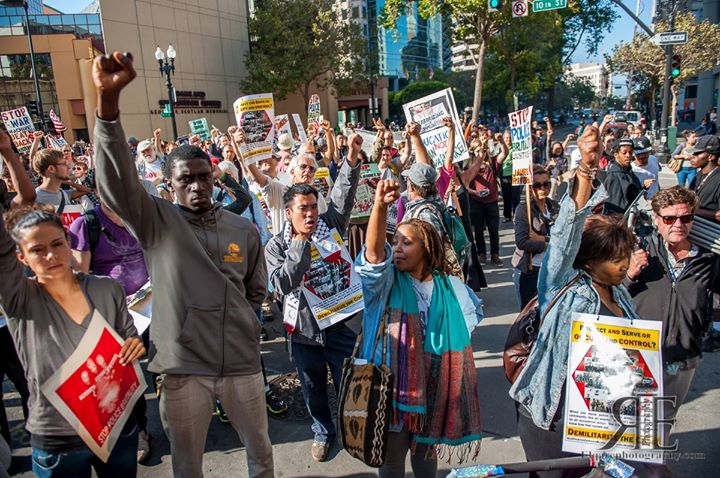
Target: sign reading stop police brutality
520	134
314	112
429	112
93	391
614	378
255	114
19	126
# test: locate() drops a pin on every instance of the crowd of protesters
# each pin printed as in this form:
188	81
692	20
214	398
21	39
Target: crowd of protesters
245	231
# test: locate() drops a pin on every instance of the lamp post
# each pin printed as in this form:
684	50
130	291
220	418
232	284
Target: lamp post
24	5
167	67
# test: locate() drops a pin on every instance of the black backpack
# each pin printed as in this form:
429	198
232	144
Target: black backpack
94	229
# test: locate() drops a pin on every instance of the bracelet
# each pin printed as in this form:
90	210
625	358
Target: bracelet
591	172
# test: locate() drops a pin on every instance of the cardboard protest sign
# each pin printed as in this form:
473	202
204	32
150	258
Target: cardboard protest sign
614	371
429	111
314	112
93	391
365	195
19	126
282	125
69	213
521	137
255	114
300	128
200	127
331	287
56	142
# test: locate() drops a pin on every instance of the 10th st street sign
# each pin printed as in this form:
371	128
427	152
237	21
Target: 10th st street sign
670	38
545	5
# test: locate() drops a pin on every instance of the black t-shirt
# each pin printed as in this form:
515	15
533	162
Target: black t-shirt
707	187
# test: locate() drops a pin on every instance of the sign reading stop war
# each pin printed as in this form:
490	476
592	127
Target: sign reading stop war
520	134
20	127
93	391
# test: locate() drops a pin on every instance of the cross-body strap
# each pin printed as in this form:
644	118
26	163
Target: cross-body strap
555	299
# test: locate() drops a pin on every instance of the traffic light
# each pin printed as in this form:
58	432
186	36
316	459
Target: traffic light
495	5
32	107
676	61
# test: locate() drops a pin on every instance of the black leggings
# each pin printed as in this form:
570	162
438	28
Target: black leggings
10	366
511	196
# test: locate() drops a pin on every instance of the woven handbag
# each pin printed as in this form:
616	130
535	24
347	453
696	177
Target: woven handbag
364	405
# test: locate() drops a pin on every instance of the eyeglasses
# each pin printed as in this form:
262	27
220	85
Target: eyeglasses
670	220
306	166
543	185
78	168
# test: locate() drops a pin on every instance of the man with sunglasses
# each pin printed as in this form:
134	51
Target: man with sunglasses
673	281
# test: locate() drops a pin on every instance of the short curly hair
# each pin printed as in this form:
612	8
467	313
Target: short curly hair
672	196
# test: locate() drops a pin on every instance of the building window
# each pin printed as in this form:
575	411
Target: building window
355	12
16	82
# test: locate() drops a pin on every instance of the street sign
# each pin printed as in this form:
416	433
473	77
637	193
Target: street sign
670	38
545	5
519	8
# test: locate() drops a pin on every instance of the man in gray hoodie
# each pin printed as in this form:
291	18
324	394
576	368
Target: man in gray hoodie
289	260
209	276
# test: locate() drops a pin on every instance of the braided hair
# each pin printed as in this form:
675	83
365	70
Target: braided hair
432	243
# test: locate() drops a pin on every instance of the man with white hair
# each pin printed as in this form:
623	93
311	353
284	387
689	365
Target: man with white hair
150	164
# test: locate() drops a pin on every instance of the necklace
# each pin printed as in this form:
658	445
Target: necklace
698	188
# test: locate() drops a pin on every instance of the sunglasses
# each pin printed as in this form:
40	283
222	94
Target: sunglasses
670	220
78	168
544	184
306	166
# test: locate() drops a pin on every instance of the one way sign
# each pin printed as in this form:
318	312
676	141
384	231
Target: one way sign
670	38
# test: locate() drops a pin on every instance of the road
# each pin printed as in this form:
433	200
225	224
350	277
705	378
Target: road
697	432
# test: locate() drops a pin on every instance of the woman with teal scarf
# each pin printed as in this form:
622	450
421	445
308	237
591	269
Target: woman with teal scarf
429	316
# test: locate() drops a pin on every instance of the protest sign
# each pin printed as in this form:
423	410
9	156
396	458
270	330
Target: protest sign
282	125
200	127
140	307
93	391
614	373
56	142
314	113
69	213
365	195
255	114
323	181
429	112
300	128
19	126
520	134
331	286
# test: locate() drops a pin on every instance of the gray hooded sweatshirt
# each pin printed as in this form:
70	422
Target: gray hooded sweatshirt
208	271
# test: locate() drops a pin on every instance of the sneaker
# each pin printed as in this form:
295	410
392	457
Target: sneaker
319	451
221	413
275	405
143	451
496	260
483	259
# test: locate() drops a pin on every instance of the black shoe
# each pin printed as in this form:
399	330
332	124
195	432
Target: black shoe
483	259
275	405
263	334
711	342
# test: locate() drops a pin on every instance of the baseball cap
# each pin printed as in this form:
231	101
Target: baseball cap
420	174
708	143
145	144
285	142
642	145
619	143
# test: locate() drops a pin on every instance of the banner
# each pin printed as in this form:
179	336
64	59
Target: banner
282	125
93	391
255	114
200	127
429	112
300	128
521	137
314	113
20	127
331	286
614	375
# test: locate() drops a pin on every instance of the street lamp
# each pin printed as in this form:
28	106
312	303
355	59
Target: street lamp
167	67
24	5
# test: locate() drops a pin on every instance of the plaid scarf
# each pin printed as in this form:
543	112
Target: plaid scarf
435	386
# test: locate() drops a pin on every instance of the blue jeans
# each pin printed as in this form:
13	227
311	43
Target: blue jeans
78	463
311	362
685	174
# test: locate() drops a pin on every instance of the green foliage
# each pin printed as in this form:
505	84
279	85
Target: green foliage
573	92
418	89
296	42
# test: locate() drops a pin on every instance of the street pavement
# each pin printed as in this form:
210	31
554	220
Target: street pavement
697	431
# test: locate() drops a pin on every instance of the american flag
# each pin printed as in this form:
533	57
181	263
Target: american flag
59	126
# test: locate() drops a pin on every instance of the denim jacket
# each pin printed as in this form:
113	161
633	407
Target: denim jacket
539	385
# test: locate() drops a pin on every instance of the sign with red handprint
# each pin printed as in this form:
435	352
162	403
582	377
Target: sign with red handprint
93	391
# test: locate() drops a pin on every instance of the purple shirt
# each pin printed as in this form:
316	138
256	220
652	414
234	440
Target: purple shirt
117	254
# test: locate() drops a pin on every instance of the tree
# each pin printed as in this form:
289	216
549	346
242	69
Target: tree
574	92
643	57
298	42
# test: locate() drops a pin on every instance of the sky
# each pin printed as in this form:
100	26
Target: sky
622	30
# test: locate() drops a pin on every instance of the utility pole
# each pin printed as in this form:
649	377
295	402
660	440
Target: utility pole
663	155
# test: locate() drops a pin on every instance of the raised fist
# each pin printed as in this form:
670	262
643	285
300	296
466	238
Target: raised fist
589	146
156	133
448	122
355	141
387	191
112	72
